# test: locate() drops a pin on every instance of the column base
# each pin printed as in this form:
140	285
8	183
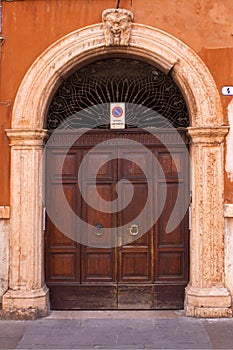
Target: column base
25	305
207	302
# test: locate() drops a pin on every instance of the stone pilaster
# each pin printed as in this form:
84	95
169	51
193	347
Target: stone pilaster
4	248
228	214
206	294
27	296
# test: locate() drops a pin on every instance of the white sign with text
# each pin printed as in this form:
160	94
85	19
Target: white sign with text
117	115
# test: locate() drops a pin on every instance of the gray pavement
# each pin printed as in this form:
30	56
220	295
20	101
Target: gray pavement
117	330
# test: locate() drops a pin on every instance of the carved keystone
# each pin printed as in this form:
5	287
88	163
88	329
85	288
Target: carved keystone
117	25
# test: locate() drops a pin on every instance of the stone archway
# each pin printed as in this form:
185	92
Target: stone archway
206	295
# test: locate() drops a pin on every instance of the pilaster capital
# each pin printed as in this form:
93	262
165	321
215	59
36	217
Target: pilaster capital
27	137
209	134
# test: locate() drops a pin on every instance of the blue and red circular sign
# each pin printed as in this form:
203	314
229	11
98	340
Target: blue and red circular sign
117	112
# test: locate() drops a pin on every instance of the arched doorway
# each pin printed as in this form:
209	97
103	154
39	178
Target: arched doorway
119	267
206	294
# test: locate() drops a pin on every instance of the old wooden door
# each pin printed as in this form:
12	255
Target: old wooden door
115	269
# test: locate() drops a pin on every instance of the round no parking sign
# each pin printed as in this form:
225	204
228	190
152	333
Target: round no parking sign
117	111
117	115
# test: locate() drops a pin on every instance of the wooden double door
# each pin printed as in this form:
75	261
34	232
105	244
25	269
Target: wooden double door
124	260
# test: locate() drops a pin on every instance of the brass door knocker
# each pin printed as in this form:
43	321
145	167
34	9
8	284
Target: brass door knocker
134	230
98	229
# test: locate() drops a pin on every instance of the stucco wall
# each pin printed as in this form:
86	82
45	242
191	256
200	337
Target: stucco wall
30	26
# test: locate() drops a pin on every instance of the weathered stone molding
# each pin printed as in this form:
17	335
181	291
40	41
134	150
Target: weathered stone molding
25	304
228	214
208	135
4	249
229	143
27	296
207	302
152	44
26	138
206	294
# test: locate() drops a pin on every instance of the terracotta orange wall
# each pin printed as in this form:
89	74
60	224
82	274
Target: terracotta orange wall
30	26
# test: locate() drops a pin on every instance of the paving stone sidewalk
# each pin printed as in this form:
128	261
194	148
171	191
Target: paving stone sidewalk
119	330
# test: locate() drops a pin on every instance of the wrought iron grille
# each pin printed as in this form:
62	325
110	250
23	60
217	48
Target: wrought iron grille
138	84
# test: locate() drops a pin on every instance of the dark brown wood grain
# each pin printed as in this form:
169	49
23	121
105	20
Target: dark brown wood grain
150	272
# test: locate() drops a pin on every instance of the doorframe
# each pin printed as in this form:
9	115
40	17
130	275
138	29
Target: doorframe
206	294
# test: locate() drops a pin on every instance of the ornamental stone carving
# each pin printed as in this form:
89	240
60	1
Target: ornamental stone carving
117	25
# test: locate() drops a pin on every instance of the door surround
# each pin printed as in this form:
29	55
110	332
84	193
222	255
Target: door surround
206	294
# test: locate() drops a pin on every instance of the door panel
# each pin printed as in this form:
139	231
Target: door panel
176	236
98	217
133	210
135	265
170	265
101	160
62	266
135	288
135	297
73	297
144	272
171	164
98	265
169	296
132	162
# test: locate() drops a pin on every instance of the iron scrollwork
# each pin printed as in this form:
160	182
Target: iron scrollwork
117	80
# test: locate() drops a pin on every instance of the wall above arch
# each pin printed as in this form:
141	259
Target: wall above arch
148	43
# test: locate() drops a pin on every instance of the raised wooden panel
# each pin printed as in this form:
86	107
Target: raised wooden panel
170	265
63	214
95	217
175	237
63	165
171	164
131	212
143	242
58	239
135	266
99	165
97	265
133	165
62	266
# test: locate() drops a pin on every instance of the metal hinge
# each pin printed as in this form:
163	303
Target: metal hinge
44	218
190	211
190	217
